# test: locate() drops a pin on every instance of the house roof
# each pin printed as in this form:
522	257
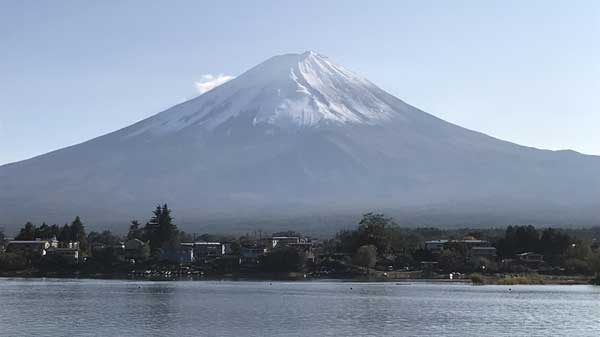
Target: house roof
134	244
202	243
454	241
29	242
528	253
436	241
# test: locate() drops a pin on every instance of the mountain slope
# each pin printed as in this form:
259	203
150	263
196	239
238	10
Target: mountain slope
299	134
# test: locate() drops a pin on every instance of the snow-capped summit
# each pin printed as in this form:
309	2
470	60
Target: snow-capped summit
299	135
291	90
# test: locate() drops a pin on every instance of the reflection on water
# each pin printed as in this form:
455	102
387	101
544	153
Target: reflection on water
51	307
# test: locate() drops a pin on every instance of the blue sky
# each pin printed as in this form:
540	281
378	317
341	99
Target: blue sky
524	71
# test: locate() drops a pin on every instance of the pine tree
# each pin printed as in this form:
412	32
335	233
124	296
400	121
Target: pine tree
64	234
44	231
55	229
136	232
28	232
167	230
160	230
151	229
78	233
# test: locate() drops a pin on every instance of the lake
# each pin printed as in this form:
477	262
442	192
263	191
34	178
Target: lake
58	307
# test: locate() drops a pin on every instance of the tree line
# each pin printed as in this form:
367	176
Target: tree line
73	232
377	241
158	232
380	241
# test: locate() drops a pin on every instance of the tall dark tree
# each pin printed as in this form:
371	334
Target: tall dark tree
44	231
554	245
47	232
136	231
160	229
151	229
55	230
167	230
519	239
65	234
78	233
27	232
373	230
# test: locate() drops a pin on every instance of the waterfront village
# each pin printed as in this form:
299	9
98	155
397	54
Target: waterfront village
376	249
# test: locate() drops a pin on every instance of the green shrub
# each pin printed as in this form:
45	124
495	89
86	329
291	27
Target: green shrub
477	279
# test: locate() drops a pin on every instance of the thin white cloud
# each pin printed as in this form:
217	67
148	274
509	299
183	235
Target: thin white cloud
208	82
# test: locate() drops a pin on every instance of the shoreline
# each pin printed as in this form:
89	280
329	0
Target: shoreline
476	280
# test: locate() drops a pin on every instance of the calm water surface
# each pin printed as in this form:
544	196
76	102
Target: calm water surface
51	307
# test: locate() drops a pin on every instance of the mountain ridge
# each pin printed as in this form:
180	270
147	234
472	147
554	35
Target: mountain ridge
286	90
296	134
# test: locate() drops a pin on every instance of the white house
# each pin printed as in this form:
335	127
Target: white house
34	247
68	253
206	249
282	241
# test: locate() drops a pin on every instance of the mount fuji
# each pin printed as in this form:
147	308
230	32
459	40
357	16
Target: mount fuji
298	136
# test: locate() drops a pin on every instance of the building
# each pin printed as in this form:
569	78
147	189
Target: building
70	244
31	247
305	248
134	249
178	254
204	249
71	254
470	244
251	254
482	252
185	254
283	241
228	248
436	246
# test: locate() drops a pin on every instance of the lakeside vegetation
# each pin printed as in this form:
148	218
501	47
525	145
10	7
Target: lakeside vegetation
377	249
